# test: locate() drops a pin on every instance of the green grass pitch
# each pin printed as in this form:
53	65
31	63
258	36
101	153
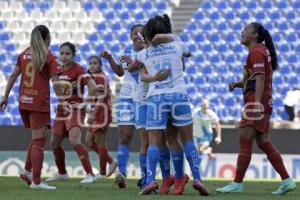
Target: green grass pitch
12	188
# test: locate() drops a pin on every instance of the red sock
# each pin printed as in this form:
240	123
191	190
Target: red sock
37	158
244	159
104	159
94	147
59	156
275	158
28	164
83	155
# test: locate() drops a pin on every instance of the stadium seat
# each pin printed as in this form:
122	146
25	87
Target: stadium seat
214	16
198	16
102	6
222	5
207	5
199	38
132	6
267	5
162	5
118	6
229	16
283	4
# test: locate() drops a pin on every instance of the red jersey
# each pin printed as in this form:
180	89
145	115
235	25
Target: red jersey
34	92
258	62
72	81
101	80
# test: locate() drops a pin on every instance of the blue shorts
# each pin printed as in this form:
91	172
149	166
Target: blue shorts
174	107
140	115
125	112
205	139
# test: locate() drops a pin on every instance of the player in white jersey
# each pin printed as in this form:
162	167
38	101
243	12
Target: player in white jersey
203	120
166	99
126	107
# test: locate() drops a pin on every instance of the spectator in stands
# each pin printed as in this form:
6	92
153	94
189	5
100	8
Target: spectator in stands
257	92
37	66
290	102
203	120
97	130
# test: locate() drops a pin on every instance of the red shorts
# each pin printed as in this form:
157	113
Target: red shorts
35	119
101	122
62	125
261	125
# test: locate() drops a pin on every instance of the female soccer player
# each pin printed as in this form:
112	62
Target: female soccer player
257	92
36	65
167	98
69	125
125	108
96	134
203	119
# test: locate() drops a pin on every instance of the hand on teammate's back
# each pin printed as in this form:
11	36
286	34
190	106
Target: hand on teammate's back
162	74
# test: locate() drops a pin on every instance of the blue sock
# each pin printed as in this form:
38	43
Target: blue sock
177	157
122	157
164	162
192	158
143	166
152	160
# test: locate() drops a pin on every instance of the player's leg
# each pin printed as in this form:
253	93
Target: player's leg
273	155
247	134
90	141
82	152
143	155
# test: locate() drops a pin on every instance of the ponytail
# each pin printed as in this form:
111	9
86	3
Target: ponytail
264	36
270	45
38	48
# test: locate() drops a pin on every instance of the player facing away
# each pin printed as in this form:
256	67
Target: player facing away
125	107
73	79
257	92
203	120
99	123
167	98
37	66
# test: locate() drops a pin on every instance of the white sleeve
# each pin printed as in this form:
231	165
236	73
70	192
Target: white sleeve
140	57
214	116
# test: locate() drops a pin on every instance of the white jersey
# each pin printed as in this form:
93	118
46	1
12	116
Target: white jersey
204	121
142	88
130	80
165	57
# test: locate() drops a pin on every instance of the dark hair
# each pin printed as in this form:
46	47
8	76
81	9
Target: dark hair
135	26
99	60
70	45
44	31
264	36
156	25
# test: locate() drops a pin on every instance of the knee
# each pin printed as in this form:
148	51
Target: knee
88	142
74	141
245	146
54	144
125	138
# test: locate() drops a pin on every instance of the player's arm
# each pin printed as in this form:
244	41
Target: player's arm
118	69
159	76
133	65
232	86
57	88
10	82
218	138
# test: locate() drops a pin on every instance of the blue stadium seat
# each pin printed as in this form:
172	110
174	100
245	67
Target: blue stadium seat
2	58
267	5
54	47
10	47
85	48
230	59
6	120
207	70
115	48
200	80
191	91
236	5
44	6
222	5
222	27
116	26
292	81
277	102
1	25
222	48
29	6
108	38
192	48
214	38
77	58
297	26
282	26
238	48
88	6
191	69
215	80
251	5
276	37
4	37
7	69
214	16
275	15
184	37
222	70
110	15
123	37
282	5
284	48
99	48
229	16
237	27
124	16
278	80
140	16
291	15
230	38
147	5
284	70
199	59
207	26
207	5
297	49
192	27
198	16
245	16
292	59
214	59
102	6
206	48
162	5
118	5
132	5
101	26
229	102
296	5
93	37
199	38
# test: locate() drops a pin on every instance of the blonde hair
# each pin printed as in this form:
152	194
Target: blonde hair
39	51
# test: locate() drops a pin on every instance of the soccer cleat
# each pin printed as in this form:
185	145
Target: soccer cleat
148	189
58	177
120	181
198	185
41	186
26	176
139	183
100	176
166	184
285	186
89	178
232	187
112	168
179	185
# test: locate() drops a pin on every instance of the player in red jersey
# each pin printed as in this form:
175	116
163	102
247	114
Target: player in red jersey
257	92
96	134
73	79
37	66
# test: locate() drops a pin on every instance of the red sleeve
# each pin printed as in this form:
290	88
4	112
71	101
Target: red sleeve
257	63
54	67
19	60
84	76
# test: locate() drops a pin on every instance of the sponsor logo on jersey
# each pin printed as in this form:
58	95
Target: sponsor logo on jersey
258	65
